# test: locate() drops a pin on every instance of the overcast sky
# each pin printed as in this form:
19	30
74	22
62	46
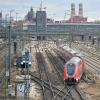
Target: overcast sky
55	8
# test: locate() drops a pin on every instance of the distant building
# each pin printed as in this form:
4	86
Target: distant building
50	20
77	18
18	24
41	20
73	10
80	10
30	16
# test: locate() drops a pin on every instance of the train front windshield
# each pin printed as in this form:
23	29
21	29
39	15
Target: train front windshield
25	58
70	69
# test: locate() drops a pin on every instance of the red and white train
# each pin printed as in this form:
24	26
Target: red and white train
74	69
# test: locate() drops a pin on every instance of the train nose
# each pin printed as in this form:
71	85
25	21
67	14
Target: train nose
71	81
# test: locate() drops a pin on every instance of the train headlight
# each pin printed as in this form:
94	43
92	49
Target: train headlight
21	63
76	79
29	63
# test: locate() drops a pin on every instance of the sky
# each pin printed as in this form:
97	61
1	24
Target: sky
55	8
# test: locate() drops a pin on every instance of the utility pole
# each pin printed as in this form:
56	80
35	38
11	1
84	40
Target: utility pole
6	25
6	70
9	57
41	5
9	40
16	23
64	16
70	40
98	40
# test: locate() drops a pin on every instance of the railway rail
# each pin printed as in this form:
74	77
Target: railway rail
87	77
53	93
43	76
58	91
90	50
59	66
92	62
50	90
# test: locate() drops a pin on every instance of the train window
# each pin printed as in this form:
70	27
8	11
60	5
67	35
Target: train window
70	69
25	58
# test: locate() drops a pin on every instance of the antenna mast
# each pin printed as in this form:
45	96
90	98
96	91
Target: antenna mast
41	4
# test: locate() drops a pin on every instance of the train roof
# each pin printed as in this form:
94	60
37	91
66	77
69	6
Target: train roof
74	52
74	60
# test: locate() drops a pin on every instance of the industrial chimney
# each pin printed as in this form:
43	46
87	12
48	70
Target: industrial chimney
80	9
72	9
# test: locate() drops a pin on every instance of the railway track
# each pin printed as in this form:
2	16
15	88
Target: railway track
58	69
51	89
56	65
58	91
56	94
87	77
88	50
70	90
44	76
92	62
53	93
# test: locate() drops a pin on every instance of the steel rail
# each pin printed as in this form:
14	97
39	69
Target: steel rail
80	95
41	67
